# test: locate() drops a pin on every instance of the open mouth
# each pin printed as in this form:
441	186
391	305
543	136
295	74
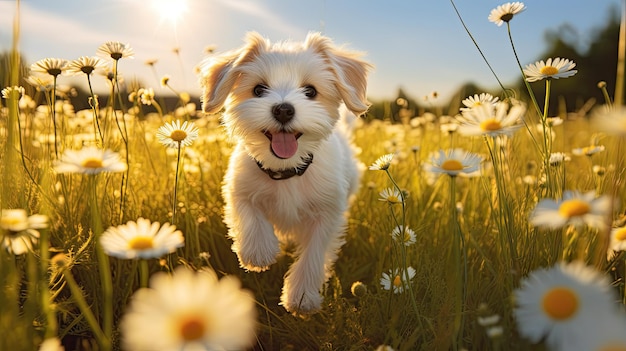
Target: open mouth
283	144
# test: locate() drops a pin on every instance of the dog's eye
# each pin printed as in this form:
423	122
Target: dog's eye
259	90
309	91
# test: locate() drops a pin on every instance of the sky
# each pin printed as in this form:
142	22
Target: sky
417	45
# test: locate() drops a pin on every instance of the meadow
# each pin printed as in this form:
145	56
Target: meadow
496	228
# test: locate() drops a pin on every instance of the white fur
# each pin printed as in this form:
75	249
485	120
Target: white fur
309	209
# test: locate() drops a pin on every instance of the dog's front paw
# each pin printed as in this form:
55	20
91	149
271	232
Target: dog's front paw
259	257
301	302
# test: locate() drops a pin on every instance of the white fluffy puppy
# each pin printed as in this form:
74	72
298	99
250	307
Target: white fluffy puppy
293	170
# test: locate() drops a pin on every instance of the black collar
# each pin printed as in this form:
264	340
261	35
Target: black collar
287	173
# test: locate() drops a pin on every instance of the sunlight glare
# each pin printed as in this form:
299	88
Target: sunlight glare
171	10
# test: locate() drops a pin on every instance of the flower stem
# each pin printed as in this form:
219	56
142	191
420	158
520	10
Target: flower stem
404	264
530	91
53	110
94	107
547	141
103	264
44	261
458	252
478	47
176	185
144	273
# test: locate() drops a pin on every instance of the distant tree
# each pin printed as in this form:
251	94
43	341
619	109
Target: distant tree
5	69
467	89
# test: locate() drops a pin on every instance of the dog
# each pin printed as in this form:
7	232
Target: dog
287	107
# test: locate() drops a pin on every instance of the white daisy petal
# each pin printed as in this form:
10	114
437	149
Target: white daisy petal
505	12
574	209
89	160
454	162
189	310
553	304
551	69
18	230
174	135
141	239
492	119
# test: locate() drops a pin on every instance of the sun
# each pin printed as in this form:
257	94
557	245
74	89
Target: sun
170	10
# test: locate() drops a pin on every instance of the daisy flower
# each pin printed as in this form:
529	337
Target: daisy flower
610	120
505	12
115	50
555	303
174	135
391	196
18	230
13	92
86	65
551	69
618	241
382	163
189	311
146	96
407	238
557	158
141	239
573	209
453	162
588	150
51	66
449	128
554	121
89	160
478	100
395	280
492	119
165	80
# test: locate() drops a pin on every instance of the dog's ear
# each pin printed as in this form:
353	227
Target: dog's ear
219	74
349	69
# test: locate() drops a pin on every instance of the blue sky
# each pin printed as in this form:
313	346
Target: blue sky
417	45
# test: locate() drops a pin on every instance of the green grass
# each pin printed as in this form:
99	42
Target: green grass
346	322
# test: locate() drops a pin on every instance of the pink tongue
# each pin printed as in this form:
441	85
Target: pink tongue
284	145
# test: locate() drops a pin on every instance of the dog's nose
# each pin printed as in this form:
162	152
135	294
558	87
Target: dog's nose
283	112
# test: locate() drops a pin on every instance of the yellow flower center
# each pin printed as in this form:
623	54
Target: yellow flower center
490	125
560	303
548	70
407	236
192	329
92	163
393	199
397	281
10	221
178	135
452	165
574	208
620	235
141	243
